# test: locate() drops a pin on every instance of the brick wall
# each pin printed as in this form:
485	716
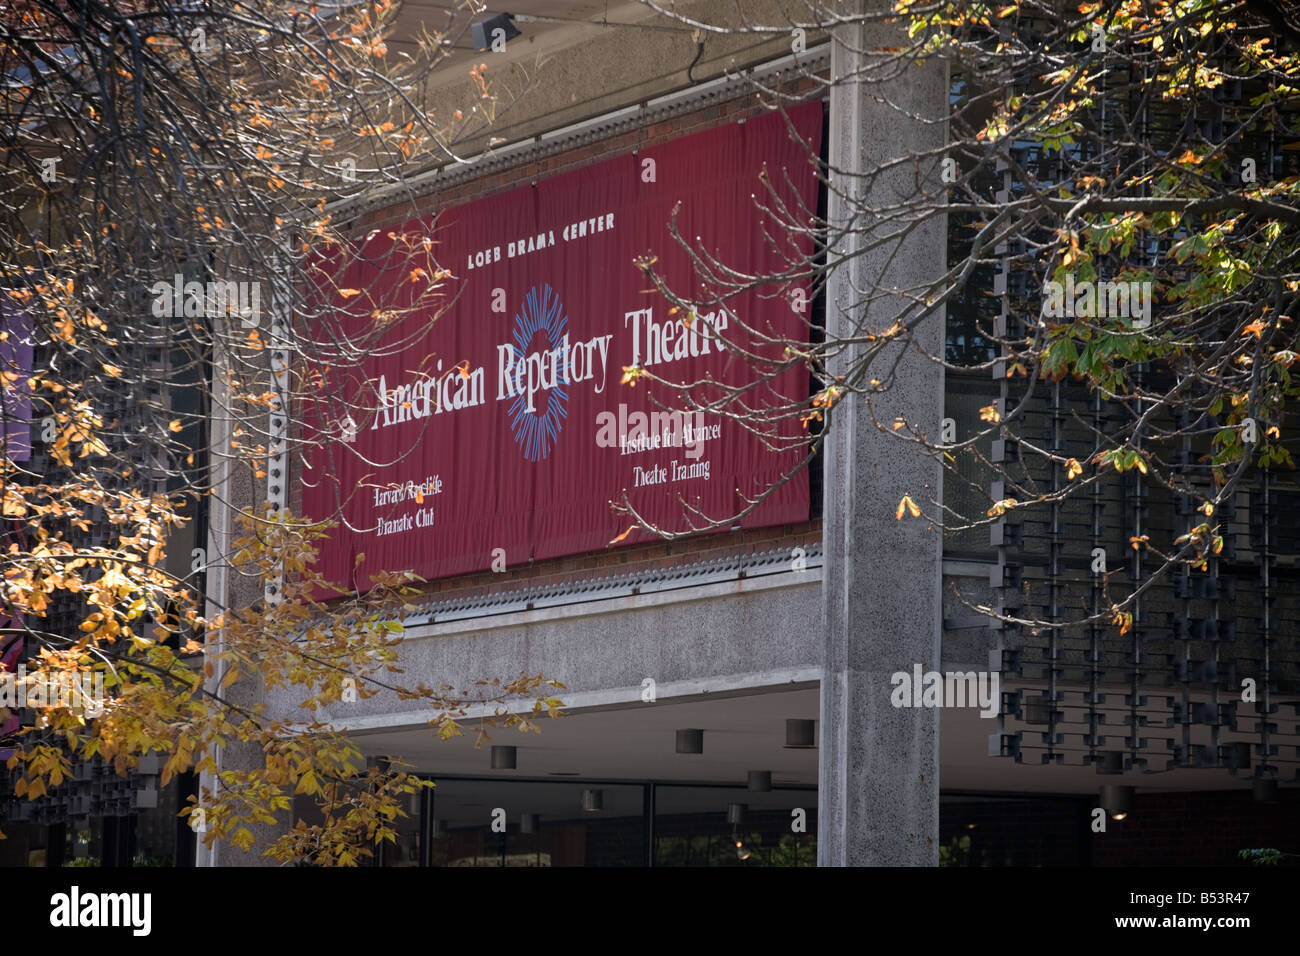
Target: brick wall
612	560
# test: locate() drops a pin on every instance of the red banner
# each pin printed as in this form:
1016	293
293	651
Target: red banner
500	433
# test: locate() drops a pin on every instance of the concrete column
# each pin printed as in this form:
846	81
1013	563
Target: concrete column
878	800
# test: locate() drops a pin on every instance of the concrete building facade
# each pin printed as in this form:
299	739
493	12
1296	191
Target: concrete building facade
777	643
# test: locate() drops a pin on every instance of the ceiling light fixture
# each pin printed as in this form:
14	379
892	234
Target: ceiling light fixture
1116	800
800	734
497	28
690	741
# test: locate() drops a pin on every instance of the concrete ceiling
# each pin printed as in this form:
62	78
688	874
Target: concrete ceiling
742	733
540	22
635	743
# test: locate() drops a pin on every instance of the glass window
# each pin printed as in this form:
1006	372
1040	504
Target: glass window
726	826
536	823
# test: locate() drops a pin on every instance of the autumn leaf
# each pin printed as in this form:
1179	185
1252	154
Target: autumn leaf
827	397
907	504
630	529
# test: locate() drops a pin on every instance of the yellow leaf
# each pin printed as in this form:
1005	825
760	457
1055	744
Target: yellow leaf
909	505
630	529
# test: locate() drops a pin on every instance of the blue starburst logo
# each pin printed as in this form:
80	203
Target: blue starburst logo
540	325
